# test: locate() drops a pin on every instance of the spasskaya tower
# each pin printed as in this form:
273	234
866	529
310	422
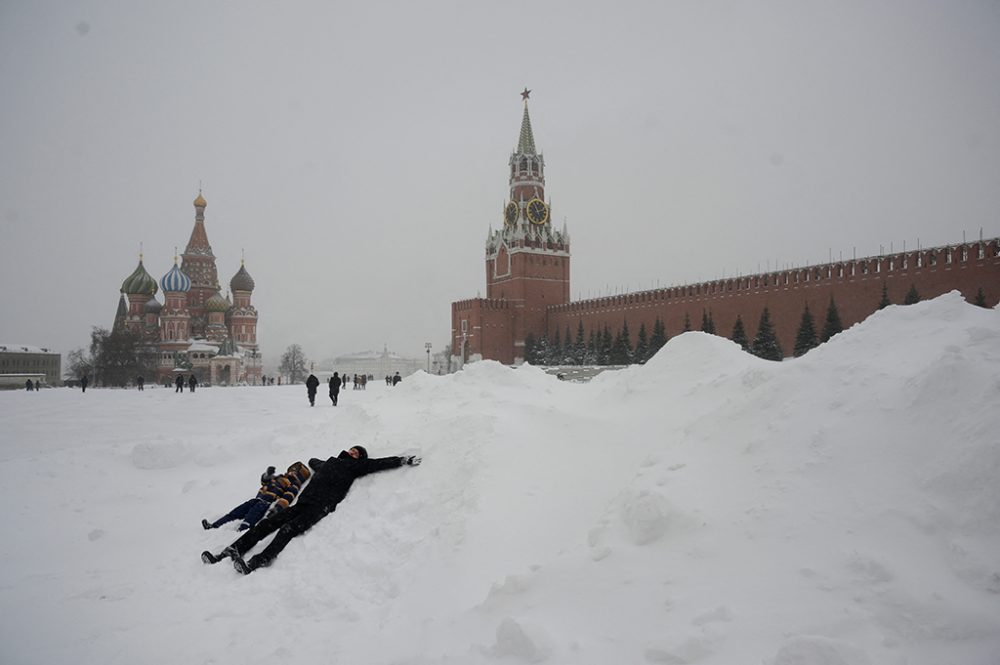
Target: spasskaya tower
527	266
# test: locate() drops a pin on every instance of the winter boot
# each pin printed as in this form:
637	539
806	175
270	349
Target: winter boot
242	566
208	557
205	525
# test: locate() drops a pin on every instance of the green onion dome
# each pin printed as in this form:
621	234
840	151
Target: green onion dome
217	303
139	282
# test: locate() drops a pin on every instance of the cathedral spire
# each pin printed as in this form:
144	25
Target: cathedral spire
526	141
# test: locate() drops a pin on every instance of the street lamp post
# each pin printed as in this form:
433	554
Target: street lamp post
427	345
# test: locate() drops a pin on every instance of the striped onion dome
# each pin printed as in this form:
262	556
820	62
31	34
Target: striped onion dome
175	280
153	306
241	281
217	303
139	282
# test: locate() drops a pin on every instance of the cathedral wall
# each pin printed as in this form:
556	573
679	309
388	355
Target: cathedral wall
855	285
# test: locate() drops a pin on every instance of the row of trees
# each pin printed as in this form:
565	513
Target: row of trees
113	358
600	347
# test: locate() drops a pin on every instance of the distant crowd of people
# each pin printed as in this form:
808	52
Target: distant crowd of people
335	383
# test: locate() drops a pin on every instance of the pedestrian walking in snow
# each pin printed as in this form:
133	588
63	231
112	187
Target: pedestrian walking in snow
334	388
312	383
192	382
179	382
29	386
83	383
140	382
276	492
331	481
396	378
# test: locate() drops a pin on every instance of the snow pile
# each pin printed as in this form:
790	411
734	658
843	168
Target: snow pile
838	509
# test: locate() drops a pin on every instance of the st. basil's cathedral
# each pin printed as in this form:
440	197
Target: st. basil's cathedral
196	329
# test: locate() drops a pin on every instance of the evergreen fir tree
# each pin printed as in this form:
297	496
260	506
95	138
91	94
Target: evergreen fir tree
884	302
912	297
626	344
555	351
740	334
687	322
542	350
641	345
806	338
833	324
581	346
980	298
711	323
619	356
593	356
659	337
607	342
529	349
704	321
765	344
569	349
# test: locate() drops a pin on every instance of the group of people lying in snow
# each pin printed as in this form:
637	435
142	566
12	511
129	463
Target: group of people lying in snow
274	508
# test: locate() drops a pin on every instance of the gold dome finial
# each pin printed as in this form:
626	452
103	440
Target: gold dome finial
200	202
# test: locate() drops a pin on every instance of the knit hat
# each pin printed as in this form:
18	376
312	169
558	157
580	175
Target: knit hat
301	470
361	451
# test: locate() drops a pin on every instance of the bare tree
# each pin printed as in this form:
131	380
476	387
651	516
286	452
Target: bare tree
293	364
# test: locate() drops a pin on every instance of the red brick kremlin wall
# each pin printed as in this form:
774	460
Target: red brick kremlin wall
856	286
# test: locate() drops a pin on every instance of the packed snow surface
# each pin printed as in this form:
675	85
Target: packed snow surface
709	507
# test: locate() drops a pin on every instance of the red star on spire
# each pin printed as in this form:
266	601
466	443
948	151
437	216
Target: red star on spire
524	95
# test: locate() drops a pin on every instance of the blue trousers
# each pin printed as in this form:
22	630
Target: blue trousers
249	511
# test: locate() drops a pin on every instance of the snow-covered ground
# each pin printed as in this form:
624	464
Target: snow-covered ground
838	509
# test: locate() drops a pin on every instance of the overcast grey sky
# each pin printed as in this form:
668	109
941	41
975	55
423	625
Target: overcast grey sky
358	151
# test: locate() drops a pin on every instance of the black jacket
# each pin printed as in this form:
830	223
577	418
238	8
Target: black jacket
312	383
334	477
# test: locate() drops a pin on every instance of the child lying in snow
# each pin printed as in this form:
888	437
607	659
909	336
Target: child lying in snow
277	490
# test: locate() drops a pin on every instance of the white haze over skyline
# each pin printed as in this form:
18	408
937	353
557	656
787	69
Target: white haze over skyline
358	153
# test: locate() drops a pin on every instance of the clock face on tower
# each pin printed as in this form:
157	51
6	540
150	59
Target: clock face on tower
538	212
510	213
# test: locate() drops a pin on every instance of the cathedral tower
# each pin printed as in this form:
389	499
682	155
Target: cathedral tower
199	264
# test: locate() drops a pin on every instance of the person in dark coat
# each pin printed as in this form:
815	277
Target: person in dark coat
276	492
192	382
83	382
331	481
179	382
396	378
334	388
312	383
140	382
29	386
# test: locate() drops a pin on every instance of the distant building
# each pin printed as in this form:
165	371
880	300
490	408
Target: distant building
18	361
196	329
374	363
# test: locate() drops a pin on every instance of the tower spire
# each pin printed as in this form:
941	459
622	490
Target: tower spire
526	141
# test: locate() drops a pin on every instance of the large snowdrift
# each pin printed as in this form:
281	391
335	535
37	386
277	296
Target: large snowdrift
838	509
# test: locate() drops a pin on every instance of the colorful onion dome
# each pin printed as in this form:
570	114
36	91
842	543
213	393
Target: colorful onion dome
175	280
217	303
200	202
241	281
153	306
139	282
